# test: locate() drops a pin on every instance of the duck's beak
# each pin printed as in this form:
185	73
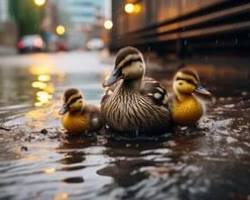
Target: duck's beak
203	91
63	110
115	76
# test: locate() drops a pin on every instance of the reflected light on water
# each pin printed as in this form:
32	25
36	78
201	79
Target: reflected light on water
61	196
39	85
40	70
50	170
42	84
43	97
44	77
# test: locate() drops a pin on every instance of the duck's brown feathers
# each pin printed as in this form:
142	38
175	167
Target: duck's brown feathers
145	110
150	87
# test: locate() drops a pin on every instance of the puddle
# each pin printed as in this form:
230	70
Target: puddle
212	162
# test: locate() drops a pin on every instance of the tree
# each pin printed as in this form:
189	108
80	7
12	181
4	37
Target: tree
26	15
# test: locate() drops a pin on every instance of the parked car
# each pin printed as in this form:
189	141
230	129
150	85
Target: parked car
31	43
61	45
95	44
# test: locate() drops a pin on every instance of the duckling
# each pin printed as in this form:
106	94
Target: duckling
186	108
77	115
134	103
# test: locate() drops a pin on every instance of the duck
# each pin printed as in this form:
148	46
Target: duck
186	106
78	116
134	103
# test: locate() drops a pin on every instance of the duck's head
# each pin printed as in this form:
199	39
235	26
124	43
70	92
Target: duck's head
187	81
129	65
73	101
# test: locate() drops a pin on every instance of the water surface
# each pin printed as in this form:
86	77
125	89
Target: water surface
208	162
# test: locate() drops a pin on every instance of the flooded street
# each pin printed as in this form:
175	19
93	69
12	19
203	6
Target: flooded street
36	162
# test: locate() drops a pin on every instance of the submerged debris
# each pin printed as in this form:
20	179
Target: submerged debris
44	131
24	148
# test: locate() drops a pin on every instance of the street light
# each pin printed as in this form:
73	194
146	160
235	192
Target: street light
129	8
133	8
108	24
39	2
60	30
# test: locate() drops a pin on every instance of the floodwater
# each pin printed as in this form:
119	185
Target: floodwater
36	162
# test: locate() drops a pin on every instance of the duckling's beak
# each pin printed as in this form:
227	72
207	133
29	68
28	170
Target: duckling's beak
203	91
63	110
115	76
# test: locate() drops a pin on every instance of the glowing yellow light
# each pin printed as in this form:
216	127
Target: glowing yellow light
60	30
41	69
50	89
38	104
44	78
138	8
129	8
43	96
39	85
50	170
61	196
39	2
108	24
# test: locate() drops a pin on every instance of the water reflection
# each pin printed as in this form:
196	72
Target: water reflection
210	162
43	85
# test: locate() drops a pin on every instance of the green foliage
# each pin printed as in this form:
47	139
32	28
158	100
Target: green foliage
26	15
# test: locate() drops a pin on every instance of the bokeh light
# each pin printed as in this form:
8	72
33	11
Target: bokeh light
60	30
50	170
44	77
39	2
108	24
129	8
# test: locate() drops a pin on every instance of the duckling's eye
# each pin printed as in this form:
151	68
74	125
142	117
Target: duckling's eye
187	80
180	83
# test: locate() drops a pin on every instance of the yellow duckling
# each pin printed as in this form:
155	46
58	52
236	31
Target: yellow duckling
186	108
77	116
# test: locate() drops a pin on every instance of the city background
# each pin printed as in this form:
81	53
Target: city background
73	22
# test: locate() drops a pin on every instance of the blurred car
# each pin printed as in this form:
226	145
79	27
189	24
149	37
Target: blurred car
95	44
31	43
61	45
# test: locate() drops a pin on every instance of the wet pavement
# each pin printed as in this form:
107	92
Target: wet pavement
36	162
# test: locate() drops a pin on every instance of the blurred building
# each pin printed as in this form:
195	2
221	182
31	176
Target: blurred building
84	20
3	11
7	27
182	26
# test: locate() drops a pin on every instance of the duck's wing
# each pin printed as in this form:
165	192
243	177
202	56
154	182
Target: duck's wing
94	115
155	91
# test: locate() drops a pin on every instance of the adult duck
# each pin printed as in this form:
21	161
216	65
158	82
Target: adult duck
134	103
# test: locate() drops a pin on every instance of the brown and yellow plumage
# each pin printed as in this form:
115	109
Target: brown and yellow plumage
77	116
186	108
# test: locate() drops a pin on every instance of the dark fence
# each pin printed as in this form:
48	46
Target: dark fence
182	26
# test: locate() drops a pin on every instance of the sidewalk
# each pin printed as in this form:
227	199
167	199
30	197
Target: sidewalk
6	50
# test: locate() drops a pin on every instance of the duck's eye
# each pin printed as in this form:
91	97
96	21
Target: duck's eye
180	83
